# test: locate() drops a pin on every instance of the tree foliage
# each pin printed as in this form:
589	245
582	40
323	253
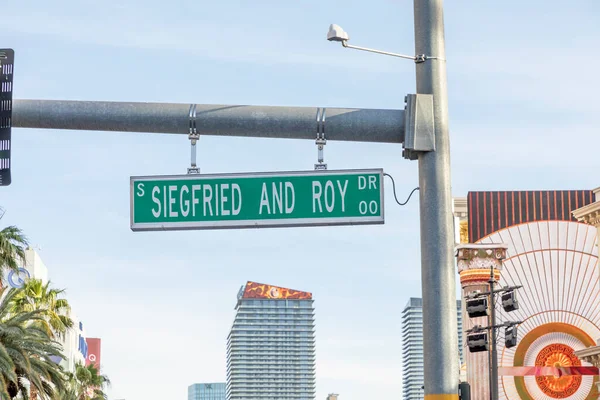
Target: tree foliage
33	321
12	248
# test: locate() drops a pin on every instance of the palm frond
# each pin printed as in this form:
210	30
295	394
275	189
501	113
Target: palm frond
4	395
12	248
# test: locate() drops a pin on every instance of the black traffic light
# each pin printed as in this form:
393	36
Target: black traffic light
477	342
477	307
7	57
509	301
510	337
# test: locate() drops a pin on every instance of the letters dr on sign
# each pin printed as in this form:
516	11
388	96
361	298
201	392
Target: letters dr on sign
255	200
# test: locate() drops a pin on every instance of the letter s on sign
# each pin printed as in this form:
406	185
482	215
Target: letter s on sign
140	187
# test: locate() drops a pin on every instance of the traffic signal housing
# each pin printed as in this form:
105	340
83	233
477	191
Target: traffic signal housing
478	342
6	93
509	301
510	336
477	307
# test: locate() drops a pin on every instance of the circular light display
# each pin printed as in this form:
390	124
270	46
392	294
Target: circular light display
558	355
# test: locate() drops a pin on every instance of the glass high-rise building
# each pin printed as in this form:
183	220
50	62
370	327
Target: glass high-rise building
271	346
206	391
412	347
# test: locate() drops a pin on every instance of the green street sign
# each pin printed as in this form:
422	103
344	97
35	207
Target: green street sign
257	200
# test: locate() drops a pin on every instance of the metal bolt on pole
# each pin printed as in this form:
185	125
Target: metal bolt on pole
440	338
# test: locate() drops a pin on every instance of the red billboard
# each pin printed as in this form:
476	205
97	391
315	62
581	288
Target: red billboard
94	351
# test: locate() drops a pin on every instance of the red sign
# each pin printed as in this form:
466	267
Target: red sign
94	350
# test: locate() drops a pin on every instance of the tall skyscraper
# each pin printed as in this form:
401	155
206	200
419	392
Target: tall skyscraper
271	346
206	391
412	347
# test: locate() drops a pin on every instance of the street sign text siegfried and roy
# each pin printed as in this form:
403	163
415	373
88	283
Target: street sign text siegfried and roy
255	200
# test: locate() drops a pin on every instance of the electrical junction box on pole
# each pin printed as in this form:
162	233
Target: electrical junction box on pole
257	200
7	57
419	134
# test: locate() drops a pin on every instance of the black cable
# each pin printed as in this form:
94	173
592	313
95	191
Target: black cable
395	197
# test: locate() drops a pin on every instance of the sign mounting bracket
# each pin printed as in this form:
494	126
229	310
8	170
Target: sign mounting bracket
194	136
321	141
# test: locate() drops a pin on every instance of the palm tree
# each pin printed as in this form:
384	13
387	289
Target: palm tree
71	389
12	249
85	384
25	351
39	296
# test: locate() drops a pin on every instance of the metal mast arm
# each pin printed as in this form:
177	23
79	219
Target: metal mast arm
345	124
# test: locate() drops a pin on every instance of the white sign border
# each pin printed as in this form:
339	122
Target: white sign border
263	223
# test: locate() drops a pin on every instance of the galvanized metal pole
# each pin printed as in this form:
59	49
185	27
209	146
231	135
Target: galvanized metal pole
346	124
494	350
490	358
440	339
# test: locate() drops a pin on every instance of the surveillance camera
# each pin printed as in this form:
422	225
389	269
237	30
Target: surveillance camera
336	34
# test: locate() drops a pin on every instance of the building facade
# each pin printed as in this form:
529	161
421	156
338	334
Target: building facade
206	391
32	268
554	257
75	348
590	215
271	345
476	262
412	347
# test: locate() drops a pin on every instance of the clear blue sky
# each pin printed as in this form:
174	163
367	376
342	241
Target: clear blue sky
523	87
